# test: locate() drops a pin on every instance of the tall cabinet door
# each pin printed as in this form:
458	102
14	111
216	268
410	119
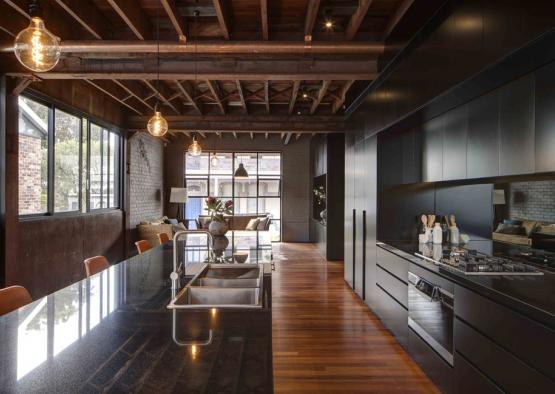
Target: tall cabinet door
349	207
370	199
359	229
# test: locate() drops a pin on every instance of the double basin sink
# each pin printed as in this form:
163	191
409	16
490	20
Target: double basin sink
232	286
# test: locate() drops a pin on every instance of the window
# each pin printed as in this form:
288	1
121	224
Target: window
66	163
259	194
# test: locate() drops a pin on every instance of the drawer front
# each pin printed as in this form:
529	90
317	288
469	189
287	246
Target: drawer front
468	379
393	316
529	341
396	288
431	363
394	264
507	371
433	278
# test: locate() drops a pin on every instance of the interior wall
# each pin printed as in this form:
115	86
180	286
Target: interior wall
45	254
295	187
533	200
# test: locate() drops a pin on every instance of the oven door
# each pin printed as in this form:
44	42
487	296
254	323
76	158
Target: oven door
431	315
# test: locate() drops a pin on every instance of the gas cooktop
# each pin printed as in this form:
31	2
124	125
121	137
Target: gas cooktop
471	262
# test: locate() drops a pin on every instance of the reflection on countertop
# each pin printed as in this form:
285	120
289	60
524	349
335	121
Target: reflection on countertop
113	331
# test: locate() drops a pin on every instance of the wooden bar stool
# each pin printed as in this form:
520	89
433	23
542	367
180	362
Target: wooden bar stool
163	238
143	246
12	298
96	264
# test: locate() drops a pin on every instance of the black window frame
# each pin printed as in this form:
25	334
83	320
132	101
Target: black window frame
84	182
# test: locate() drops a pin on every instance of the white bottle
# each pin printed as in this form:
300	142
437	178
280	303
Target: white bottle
454	235
437	234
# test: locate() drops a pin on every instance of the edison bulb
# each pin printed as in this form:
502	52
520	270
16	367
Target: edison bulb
195	148
214	160
157	125
36	48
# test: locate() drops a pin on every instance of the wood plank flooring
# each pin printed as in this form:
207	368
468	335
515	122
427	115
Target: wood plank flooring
325	339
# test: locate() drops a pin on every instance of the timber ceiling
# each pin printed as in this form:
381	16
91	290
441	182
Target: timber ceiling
244	65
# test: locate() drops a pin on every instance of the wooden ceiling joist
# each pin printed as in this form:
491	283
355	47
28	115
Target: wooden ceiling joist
132	88
163	92
223	17
287	138
133	16
320	96
264	18
310	19
105	88
241	97
187	90
177	21
339	101
215	90
88	16
267	96
294	94
356	19
396	17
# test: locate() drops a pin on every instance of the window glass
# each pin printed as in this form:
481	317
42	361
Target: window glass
195	207
67	133
270	206
33	157
95	171
197	187
221	185
105	168
196	164
84	172
244	206
223	164
113	200
269	164
269	187
245	187
249	161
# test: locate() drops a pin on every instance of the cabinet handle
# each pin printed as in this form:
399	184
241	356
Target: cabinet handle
354	245
363	255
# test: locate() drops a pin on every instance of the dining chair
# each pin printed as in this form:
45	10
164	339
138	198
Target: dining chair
94	265
163	238
12	298
143	246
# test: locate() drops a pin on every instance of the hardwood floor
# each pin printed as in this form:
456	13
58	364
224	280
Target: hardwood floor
325	339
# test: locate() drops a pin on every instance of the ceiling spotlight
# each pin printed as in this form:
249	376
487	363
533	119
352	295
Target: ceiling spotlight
329	24
305	94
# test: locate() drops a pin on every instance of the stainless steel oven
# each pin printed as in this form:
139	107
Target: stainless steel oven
431	314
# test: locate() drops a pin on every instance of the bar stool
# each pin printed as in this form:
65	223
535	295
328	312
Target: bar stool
94	265
163	238
12	298
143	246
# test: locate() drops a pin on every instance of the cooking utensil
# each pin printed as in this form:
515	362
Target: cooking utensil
431	220
424	220
453	221
446	218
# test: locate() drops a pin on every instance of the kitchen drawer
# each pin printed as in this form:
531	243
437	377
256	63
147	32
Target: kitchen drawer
437	280
394	264
431	363
392	314
468	379
507	371
526	339
396	288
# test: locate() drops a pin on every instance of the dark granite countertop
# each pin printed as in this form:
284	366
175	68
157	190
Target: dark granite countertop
533	296
113	333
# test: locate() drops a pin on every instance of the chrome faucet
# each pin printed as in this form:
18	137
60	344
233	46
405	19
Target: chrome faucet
174	276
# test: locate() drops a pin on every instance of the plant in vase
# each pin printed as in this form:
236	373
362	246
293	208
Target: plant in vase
217	209
320	194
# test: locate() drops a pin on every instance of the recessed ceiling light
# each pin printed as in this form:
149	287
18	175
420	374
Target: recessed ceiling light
329	24
305	94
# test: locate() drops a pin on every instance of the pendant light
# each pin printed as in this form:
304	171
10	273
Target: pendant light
35	47
157	125
214	161
241	172
195	148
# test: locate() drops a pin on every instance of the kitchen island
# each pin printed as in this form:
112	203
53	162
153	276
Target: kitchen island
113	332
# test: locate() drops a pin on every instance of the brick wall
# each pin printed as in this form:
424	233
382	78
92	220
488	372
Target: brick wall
532	200
29	174
146	158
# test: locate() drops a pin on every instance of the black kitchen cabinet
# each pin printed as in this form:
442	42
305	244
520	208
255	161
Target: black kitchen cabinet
392	314
349	208
516	125
432	150
412	156
468	379
482	155
359	218
545	118
455	129
370	205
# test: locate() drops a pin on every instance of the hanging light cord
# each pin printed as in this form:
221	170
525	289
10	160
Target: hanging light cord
157	59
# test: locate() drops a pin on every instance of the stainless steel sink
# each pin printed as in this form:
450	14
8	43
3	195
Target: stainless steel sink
222	286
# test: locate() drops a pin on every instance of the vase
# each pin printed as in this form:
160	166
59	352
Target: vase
324	215
218	228
220	243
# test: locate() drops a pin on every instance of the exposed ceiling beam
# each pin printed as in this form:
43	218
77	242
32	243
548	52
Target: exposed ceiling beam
310	19
104	87
234	134
223	17
163	92
213	86
87	15
241	96
177	21
252	135
21	85
298	136
342	95
267	96
133	16
134	90
356	19
266	136
396	17
187	90
12	22
320	96
264	18
294	94
287	138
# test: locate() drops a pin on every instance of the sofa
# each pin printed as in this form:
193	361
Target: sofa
149	230
235	222
521	231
